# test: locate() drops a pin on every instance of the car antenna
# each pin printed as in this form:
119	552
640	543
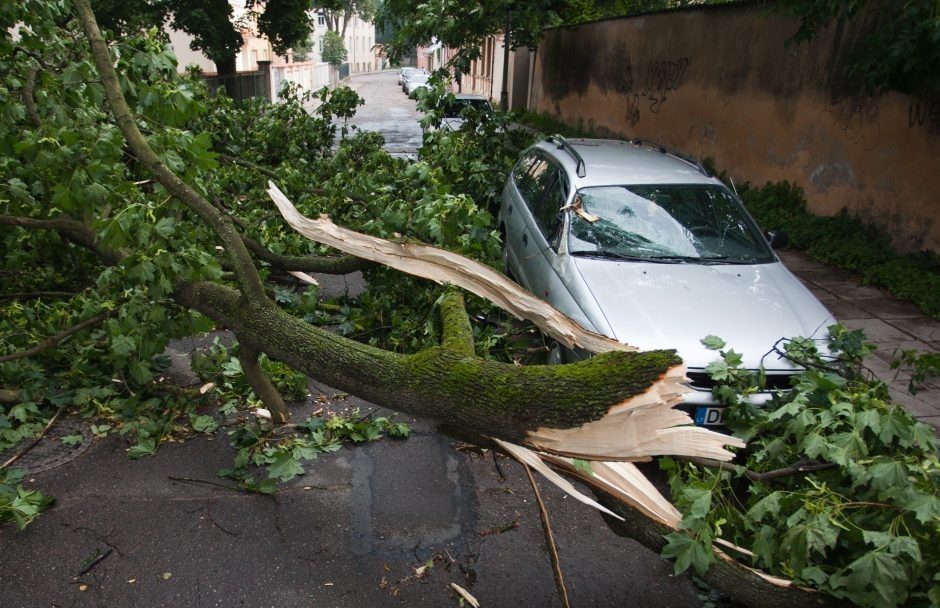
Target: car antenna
733	187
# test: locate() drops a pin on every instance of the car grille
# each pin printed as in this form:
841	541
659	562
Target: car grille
775	382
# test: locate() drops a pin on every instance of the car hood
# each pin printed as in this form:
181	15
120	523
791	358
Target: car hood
676	305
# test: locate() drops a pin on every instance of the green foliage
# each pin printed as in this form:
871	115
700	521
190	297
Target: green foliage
921	366
334	49
17	504
847	242
860	517
282	456
901	51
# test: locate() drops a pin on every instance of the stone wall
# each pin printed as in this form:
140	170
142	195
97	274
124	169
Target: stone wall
719	82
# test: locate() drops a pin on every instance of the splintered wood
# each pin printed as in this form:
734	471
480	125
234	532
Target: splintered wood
644	425
446	267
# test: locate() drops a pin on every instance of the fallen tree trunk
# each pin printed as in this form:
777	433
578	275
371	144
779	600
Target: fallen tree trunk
522	404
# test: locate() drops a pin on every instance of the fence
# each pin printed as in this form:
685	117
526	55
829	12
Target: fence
243	85
307	75
268	81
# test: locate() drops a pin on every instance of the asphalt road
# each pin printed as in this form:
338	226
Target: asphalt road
387	110
389	523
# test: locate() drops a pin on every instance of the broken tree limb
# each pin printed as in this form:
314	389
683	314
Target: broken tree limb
446	267
484	397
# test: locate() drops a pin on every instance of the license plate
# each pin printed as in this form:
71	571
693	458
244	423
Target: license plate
709	416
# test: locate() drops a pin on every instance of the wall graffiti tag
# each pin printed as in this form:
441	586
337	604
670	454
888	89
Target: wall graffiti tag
920	114
858	118
662	77
633	109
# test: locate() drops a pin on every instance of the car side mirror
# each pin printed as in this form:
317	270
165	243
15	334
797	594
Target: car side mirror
777	239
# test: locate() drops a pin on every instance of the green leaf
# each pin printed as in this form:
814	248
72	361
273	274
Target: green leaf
699	502
144	448
713	342
816	535
72	439
880	570
122	346
926	507
769	505
203	424
284	467
887	474
688	552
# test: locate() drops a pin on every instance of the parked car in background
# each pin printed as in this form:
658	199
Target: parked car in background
404	72
641	244
415	82
409	74
454	111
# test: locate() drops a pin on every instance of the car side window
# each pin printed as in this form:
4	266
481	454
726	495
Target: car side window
548	211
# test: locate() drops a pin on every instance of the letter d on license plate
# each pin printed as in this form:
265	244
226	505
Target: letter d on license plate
709	416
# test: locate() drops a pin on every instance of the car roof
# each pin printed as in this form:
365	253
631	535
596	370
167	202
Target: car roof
624	162
469	96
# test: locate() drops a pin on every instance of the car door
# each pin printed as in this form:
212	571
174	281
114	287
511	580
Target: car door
521	189
544	233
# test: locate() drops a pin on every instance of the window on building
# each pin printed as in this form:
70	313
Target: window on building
321	18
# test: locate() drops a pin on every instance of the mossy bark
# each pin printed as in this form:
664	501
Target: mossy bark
447	382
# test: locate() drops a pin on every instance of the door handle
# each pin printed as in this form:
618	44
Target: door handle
525	239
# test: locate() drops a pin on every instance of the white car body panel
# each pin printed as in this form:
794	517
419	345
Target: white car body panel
676	305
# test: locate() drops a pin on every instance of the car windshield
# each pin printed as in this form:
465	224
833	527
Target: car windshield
419	78
453	109
670	223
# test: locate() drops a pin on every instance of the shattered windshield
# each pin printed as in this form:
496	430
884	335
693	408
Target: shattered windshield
665	223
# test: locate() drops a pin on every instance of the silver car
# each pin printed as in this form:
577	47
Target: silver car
641	244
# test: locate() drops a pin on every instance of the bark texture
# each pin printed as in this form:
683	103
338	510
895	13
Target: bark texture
447	382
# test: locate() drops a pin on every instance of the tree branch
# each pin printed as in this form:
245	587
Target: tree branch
73	230
455	324
307	263
249	281
58	338
549	540
273	175
249	357
796	469
33	295
28	98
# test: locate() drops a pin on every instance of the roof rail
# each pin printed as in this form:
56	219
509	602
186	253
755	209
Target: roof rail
671	152
563	144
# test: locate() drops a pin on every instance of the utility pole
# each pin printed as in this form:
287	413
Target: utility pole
504	94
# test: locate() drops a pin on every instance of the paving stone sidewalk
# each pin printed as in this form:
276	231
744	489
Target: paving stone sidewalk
887	322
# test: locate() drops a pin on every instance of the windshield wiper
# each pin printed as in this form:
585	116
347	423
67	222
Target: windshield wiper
609	255
678	259
614	255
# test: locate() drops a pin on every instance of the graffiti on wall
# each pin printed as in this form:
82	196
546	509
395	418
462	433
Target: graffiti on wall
662	77
857	117
923	114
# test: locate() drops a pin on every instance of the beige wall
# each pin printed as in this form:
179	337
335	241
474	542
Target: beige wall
718	82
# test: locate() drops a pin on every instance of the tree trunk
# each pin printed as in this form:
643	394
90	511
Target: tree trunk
447	382
225	67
